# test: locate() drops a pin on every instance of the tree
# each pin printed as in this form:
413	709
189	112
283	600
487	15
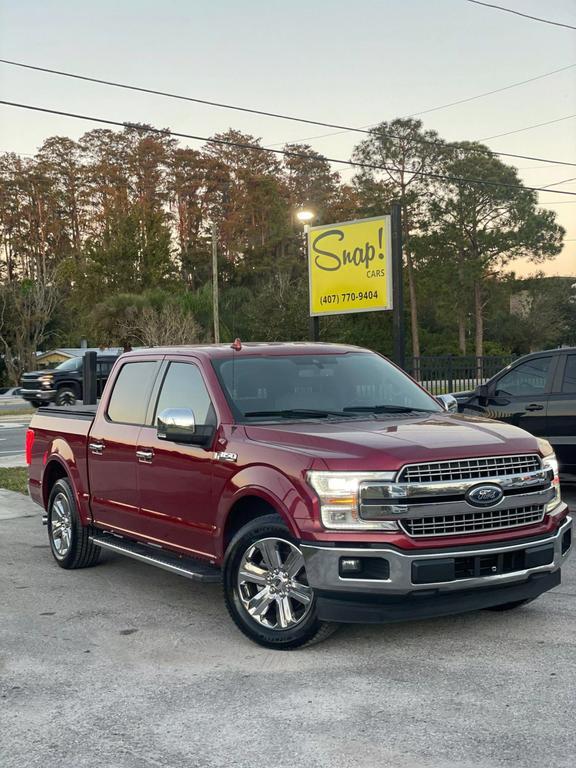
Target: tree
405	151
485	226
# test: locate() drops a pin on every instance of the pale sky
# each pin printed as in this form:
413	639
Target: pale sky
353	62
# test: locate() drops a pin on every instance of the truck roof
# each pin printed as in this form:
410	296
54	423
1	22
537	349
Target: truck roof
252	348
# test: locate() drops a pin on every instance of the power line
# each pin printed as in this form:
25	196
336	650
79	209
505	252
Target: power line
264	113
528	128
452	103
283	152
564	181
525	15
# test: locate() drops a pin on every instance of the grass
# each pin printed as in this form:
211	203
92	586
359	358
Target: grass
14	479
18	412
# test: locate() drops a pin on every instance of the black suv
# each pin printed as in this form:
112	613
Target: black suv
536	392
63	385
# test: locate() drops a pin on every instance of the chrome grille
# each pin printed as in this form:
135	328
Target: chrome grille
473	522
469	469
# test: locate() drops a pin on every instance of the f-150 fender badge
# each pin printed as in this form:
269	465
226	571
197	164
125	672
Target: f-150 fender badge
484	495
225	456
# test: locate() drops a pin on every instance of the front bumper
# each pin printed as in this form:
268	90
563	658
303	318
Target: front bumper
425	583
43	395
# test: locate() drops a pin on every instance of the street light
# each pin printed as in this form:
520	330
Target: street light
305	217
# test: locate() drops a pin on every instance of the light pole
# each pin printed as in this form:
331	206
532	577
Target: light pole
305	216
215	308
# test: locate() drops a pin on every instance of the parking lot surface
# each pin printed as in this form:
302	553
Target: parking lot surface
127	666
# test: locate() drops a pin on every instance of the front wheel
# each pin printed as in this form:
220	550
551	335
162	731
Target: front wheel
266	590
66	396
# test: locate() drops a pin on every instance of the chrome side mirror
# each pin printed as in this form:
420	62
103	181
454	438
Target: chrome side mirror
176	424
448	402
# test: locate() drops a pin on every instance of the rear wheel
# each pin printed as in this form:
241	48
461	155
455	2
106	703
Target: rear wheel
66	396
69	539
266	589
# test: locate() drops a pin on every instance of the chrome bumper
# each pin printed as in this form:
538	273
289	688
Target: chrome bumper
323	566
38	394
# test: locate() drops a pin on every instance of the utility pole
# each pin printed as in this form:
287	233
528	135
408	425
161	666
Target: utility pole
215	309
397	286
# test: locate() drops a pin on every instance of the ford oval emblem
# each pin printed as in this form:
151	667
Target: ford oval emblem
484	495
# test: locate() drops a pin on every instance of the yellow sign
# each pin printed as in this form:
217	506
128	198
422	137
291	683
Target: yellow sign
350	267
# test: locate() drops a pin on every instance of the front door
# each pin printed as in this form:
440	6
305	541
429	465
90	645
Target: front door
520	396
561	421
175	479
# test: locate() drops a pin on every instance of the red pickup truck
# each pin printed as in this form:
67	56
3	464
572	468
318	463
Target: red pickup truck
319	482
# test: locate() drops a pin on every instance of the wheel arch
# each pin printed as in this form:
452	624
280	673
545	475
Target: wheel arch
58	469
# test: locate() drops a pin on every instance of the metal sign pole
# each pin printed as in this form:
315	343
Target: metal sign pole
397	285
314	320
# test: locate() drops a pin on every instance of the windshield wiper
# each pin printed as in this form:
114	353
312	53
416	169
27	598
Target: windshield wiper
296	413
384	409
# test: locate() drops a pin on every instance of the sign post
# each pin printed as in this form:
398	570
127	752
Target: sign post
356	266
398	288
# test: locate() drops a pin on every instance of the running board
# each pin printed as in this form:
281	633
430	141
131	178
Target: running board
185	566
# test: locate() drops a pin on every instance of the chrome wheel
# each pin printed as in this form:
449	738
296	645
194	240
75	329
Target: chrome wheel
272	584
61	525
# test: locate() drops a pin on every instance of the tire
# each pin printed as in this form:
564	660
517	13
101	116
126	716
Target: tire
510	606
284	618
66	396
69	539
36	403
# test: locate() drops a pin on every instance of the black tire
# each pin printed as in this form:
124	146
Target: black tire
66	396
510	606
36	403
80	552
308	629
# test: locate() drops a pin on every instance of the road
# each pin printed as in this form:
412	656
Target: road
127	666
12	436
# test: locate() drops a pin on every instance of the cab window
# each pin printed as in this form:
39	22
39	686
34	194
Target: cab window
183	387
129	399
528	378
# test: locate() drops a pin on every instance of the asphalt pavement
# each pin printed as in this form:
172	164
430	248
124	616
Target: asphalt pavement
127	666
12	437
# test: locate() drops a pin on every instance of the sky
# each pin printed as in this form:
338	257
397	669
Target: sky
351	62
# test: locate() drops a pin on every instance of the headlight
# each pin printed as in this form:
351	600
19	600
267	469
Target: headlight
46	380
550	463
339	494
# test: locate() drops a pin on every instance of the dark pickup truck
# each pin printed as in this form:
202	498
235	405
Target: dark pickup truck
319	482
537	392
64	384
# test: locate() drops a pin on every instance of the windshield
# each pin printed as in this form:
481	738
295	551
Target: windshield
70	365
318	386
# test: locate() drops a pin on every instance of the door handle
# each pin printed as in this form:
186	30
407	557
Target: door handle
534	407
145	456
96	448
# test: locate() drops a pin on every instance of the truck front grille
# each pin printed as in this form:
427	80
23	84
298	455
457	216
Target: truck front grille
469	469
473	522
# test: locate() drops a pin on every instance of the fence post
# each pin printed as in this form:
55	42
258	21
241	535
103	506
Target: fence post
450	374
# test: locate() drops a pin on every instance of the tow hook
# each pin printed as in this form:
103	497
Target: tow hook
44	518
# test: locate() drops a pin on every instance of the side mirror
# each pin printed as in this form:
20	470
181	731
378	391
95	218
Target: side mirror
178	425
483	391
448	402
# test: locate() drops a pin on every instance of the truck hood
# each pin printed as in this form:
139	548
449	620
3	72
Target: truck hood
390	443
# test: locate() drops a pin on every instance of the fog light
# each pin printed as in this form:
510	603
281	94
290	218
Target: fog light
350	565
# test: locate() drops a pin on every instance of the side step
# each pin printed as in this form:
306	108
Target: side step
185	566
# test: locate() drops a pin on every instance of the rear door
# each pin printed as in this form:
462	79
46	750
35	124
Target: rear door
112	443
175	479
520	396
561	423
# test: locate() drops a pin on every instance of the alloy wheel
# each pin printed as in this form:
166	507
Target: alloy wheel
61	525
272	584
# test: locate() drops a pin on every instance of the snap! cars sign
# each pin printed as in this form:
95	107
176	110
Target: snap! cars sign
350	267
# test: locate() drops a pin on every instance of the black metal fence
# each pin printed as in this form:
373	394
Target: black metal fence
451	373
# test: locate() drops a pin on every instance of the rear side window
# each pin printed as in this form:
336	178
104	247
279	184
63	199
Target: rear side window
184	387
569	380
527	379
129	399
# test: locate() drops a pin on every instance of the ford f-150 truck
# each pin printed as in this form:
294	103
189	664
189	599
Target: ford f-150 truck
319	482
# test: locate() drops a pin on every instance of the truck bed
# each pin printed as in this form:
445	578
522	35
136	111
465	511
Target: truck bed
87	412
